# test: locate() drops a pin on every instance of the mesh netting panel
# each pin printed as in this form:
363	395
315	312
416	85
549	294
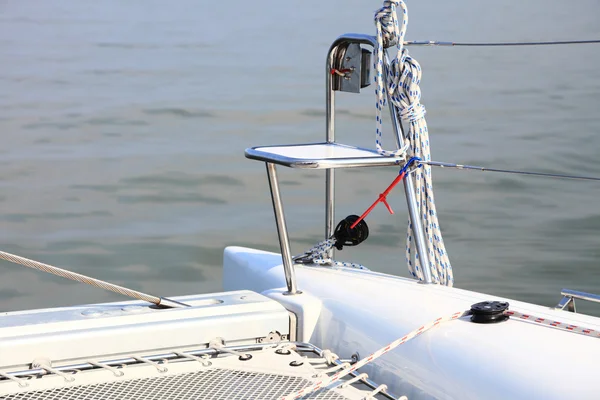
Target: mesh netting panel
213	384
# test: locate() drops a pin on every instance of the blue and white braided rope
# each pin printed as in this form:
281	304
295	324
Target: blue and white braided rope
402	79
385	20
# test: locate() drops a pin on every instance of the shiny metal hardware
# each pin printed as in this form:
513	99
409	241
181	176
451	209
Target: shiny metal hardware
162	357
293	327
354	358
272	337
413	211
342	43
351	68
346	58
170	303
409	190
284	241
332	55
569	296
321	156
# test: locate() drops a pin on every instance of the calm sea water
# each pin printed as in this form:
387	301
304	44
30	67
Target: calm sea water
124	124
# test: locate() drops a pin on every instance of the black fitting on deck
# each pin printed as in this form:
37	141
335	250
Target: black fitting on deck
489	312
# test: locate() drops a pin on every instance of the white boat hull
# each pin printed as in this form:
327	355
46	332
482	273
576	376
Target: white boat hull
353	311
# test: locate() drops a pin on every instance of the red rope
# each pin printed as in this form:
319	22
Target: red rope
340	72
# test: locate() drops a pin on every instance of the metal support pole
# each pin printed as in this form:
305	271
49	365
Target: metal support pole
329	138
341	41
409	189
413	211
284	241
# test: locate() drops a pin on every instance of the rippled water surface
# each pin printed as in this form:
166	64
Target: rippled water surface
124	124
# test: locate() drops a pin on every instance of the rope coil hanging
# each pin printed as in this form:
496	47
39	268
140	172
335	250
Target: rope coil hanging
401	85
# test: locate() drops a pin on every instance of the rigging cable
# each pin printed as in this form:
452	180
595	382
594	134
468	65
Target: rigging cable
495	44
160	301
507	171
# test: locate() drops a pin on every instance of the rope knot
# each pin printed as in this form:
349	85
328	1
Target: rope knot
413	113
385	17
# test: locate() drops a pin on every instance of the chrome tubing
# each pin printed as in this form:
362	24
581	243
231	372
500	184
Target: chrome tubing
121	362
413	211
568	301
413	208
330	121
165	357
409	190
329	138
284	241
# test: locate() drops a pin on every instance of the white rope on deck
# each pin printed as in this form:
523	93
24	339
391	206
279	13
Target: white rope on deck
326	381
554	324
401	82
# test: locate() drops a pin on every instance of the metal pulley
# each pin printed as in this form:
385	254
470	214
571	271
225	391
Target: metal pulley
351	68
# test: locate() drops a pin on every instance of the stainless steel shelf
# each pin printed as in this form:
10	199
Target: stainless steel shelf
321	156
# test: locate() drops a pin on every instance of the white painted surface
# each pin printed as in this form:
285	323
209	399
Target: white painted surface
320	151
116	328
306	307
363	311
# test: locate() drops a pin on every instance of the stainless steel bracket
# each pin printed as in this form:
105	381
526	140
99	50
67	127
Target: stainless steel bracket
569	296
351	68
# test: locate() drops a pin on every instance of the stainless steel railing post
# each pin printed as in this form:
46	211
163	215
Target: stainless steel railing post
409	190
284	241
330	122
329	138
413	207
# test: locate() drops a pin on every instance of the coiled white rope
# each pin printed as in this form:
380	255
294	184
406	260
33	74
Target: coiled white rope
402	85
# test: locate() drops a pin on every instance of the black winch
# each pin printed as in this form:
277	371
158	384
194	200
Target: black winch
489	312
345	236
